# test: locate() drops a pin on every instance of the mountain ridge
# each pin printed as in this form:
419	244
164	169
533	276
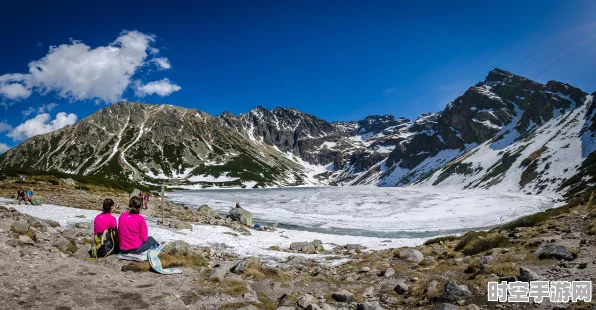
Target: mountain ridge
285	147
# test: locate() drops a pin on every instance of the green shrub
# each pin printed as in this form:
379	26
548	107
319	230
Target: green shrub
468	237
479	245
53	182
527	221
439	239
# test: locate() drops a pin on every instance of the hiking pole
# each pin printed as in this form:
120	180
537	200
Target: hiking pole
163	197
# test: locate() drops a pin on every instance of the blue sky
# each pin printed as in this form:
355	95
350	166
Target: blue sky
339	60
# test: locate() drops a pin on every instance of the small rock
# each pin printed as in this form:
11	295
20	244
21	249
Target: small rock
26	240
472	307
218	273
178	247
431	287
453	290
80	216
389	272
485	260
327	307
369	305
84	225
446	307
401	288
364	269
306	300
343	296
527	275
582	265
392	300
313	307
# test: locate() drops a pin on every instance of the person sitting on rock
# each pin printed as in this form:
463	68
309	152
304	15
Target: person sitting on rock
132	229
29	196
105	219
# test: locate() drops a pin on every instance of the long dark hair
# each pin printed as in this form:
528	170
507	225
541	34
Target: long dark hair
107	205
135	205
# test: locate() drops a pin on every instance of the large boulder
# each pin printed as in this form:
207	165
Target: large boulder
19	227
411	255
248	263
242	216
135	192
205	210
307	247
178	247
551	250
219	272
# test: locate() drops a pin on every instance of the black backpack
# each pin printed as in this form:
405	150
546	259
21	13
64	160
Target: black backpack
105	244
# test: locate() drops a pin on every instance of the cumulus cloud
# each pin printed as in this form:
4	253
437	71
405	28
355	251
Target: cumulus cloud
76	71
14	91
4	126
40	124
4	148
162	88
162	63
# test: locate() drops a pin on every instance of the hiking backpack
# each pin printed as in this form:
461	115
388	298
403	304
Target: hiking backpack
105	244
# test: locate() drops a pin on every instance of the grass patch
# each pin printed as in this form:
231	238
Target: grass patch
234	287
439	239
468	237
479	245
527	221
168	261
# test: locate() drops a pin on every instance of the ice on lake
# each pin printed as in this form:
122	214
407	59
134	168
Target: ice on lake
371	211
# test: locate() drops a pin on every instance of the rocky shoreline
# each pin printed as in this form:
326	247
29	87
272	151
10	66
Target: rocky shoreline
45	266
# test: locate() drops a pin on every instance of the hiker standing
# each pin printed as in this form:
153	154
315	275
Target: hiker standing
132	229
105	219
21	197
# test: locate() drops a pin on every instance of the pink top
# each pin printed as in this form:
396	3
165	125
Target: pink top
103	221
132	231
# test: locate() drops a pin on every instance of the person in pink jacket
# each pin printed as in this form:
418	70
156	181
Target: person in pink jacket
133	236
105	219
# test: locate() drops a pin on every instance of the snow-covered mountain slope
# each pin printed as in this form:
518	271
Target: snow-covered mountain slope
507	133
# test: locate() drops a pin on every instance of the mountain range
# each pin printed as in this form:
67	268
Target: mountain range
505	133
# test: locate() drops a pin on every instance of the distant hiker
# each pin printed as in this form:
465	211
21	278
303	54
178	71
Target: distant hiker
146	200
21	197
132	229
237	205
105	219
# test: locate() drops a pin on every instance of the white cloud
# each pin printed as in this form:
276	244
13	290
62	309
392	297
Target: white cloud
28	112
42	109
163	63
40	124
4	126
162	88
76	71
47	108
14	91
4	148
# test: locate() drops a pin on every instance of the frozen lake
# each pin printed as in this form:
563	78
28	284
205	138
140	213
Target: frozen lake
377	218
371	211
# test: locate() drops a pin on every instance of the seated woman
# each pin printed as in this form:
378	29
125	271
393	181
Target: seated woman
105	219
132	229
